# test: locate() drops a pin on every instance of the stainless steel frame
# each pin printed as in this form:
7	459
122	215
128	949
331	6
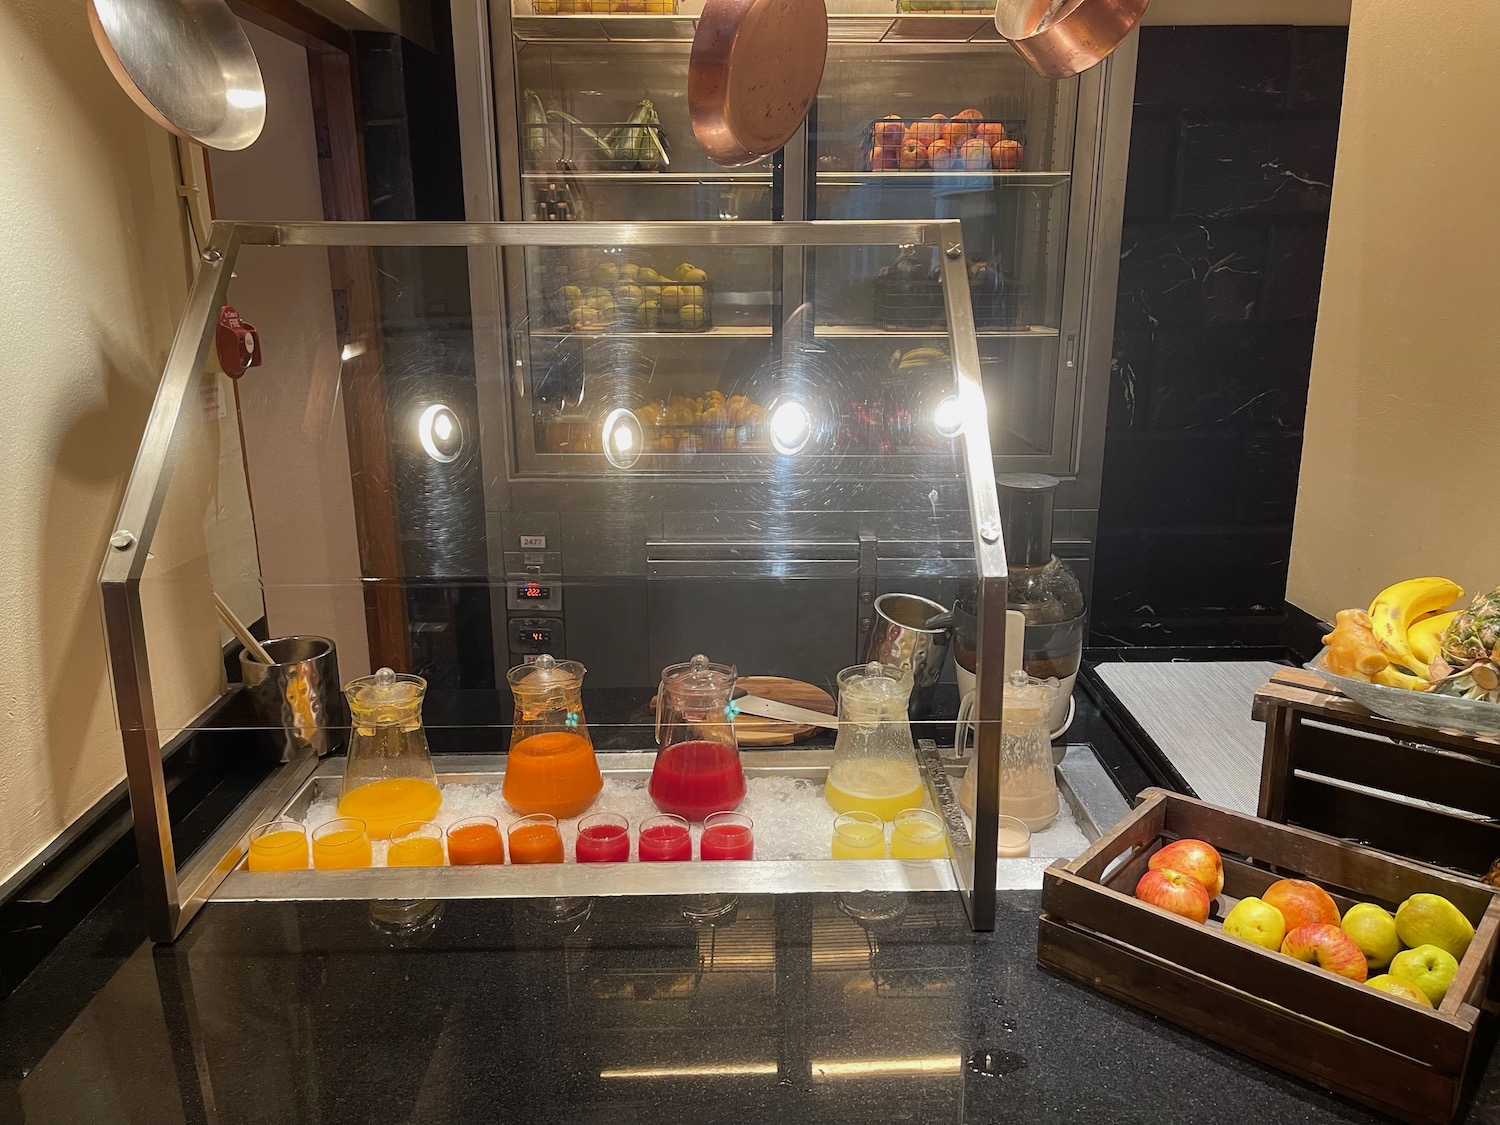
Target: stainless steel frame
175	893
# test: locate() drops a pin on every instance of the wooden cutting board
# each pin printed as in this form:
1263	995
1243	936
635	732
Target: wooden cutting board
752	730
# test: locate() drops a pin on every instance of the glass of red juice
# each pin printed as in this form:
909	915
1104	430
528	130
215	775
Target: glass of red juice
727	835
665	838
603	838
475	841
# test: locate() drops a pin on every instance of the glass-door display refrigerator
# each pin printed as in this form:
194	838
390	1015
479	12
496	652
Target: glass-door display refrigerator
577	110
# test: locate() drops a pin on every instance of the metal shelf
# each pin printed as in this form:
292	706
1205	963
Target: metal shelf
665	179
949	27
731	331
865	332
977	181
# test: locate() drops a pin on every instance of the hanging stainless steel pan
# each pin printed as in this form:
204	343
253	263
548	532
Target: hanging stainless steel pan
755	69
187	64
1061	38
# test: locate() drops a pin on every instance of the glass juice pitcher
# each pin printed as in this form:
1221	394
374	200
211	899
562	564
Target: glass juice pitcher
698	772
388	779
874	766
1028	785
551	767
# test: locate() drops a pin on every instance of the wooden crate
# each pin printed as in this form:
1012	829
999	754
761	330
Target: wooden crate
1428	795
1364	1044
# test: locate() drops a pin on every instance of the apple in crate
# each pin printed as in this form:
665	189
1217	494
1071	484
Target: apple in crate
1428	968
1388	983
1256	922
1327	947
1195	858
1302	903
1174	891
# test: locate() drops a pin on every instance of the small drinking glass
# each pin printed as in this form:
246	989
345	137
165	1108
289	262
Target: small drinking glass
417	843
918	834
535	839
858	835
341	843
603	838
474	841
1015	838
727	835
665	838
278	845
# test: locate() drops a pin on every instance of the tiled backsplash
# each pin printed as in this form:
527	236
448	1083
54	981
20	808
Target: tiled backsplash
1226	215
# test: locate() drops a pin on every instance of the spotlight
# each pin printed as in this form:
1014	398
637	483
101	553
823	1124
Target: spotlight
441	434
621	438
947	417
791	427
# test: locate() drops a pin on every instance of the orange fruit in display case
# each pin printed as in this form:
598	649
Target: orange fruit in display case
925	132
1301	903
890	132
975	156
942	156
913	157
1008	155
956	132
884	159
990	131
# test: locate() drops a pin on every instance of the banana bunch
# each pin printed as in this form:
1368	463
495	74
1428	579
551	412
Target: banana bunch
919	357
1395	642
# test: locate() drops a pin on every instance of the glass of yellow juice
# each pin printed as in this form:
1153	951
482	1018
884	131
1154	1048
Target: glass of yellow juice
858	835
918	834
341	843
418	843
278	845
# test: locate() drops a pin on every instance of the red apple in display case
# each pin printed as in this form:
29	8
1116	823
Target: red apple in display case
889	132
1327	947
1009	155
1174	891
1302	903
1195	858
942	156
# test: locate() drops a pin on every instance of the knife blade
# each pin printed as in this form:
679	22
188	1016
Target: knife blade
785	712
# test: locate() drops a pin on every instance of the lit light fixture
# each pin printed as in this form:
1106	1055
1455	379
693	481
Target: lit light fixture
441	434
351	351
791	426
711	1070
621	438
948	417
241	98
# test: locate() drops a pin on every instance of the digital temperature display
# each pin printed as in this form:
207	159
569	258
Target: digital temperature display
537	636
533	592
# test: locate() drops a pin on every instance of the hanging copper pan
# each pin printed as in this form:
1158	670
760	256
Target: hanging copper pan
755	69
1061	38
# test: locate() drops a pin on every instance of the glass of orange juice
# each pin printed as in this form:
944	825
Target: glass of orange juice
417	843
535	839
278	845
340	843
474	841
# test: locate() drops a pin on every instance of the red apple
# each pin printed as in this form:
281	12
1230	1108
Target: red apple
1195	858
942	156
1174	891
1327	947
1302	903
889	131
975	155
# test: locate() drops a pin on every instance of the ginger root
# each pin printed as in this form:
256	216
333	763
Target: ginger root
1353	650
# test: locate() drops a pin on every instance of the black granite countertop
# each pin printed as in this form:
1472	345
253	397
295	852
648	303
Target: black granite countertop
792	1008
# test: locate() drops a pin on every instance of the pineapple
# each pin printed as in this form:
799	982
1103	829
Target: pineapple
1470	663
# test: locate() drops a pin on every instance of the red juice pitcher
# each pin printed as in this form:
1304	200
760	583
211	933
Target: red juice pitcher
698	771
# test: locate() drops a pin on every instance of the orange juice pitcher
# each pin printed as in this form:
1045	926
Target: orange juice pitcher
551	768
388	779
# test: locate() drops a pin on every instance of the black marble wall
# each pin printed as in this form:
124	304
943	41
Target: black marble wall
1226	215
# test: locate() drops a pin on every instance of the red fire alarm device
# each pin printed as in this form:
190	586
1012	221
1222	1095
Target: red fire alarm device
237	342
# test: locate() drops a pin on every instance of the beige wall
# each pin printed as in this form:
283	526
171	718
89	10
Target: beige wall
93	270
1314	13
1405	376
291	408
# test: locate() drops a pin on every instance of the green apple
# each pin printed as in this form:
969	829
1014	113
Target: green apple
1374	931
1427	967
1257	922
1433	920
1388	983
